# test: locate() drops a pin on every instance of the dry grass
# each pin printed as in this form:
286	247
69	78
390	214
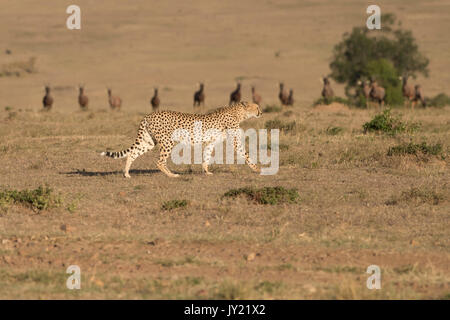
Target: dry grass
357	205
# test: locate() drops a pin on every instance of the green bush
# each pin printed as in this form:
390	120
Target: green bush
173	204
415	149
272	108
333	131
418	195
387	123
440	100
38	199
266	195
325	101
18	68
282	126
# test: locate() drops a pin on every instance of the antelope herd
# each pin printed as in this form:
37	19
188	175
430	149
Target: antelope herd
370	90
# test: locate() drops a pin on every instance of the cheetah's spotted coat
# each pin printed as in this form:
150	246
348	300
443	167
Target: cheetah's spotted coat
158	127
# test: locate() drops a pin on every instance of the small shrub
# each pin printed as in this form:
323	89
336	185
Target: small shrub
422	195
18	68
418	195
282	126
266	195
327	101
333	131
229	290
39	199
439	101
268	286
174	204
281	147
415	149
272	108
385	122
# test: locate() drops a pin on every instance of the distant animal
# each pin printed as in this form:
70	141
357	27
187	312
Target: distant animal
199	96
83	100
377	93
235	96
114	101
159	127
155	100
366	88
47	101
327	91
282	95
408	91
256	97
290	99
418	96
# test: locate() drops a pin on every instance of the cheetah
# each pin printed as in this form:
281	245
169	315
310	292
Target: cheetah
159	128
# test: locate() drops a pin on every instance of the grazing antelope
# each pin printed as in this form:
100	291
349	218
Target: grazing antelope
235	96
256	97
283	96
47	101
418	96
199	96
290	99
82	98
408	91
327	91
114	101
155	100
377	93
365	86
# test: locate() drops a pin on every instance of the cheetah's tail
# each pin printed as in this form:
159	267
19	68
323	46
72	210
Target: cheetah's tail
116	155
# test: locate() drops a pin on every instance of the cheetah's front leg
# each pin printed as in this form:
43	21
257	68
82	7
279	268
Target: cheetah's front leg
241	151
207	156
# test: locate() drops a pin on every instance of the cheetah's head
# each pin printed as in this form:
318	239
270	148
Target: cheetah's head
252	110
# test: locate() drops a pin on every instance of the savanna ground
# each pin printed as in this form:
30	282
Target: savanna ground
358	205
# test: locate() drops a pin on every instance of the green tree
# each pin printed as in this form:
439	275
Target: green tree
352	56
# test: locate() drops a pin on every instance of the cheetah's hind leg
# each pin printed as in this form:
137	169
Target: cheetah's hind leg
142	144
162	162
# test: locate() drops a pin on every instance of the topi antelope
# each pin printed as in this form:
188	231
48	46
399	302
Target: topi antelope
199	96
377	93
290	99
114	101
365	86
418	96
155	100
283	96
256	97
235	96
408	91
327	91
47	101
83	100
